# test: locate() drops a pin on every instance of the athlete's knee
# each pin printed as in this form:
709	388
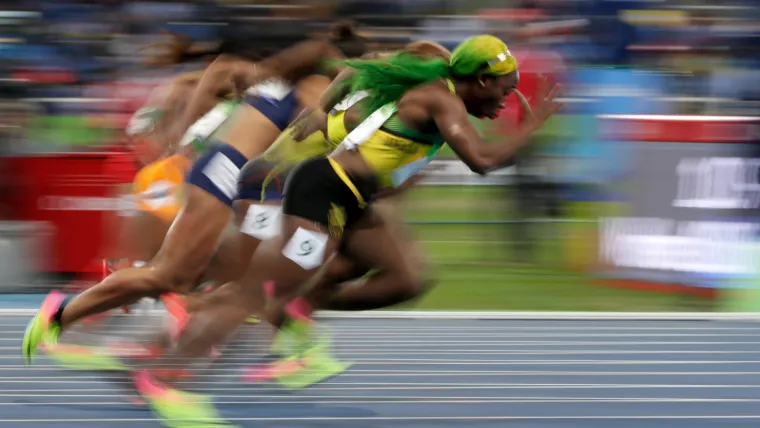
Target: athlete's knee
410	283
418	273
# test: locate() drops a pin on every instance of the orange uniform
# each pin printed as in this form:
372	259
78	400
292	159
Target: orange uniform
157	187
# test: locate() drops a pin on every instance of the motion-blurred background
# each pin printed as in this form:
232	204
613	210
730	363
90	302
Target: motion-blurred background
642	194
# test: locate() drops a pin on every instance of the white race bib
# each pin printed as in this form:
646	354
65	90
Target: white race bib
262	221
306	248
144	120
159	194
208	124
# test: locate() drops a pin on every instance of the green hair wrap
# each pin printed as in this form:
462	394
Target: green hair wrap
388	79
482	54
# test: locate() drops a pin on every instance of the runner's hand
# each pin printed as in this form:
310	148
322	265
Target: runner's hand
545	104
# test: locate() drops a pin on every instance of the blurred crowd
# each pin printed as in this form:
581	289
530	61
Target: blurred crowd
72	71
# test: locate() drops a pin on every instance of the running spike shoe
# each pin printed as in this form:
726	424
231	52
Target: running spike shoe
77	357
42	326
297	372
297	333
178	409
317	365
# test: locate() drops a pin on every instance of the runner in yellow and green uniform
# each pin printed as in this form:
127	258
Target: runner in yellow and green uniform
414	105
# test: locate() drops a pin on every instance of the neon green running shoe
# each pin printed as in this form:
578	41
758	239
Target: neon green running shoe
293	338
317	365
42	327
306	358
178	409
77	357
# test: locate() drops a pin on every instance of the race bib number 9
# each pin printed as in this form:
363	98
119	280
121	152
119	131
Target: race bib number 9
306	248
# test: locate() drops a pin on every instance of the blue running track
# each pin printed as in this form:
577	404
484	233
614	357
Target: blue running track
439	374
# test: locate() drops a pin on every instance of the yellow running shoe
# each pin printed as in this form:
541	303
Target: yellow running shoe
178	409
317	365
42	327
293	338
306	358
76	357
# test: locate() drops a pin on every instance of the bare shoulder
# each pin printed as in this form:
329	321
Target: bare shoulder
432	95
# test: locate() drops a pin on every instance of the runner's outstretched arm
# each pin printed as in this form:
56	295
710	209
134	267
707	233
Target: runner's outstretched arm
218	78
229	74
287	62
451	118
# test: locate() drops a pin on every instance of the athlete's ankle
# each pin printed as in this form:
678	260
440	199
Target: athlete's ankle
59	317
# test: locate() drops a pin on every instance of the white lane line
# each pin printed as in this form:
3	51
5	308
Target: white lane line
234	374
502	315
484	331
443	373
407	401
468	362
348	346
414	418
349	354
507	343
402	338
346	353
351	345
286	399
359	386
386	334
